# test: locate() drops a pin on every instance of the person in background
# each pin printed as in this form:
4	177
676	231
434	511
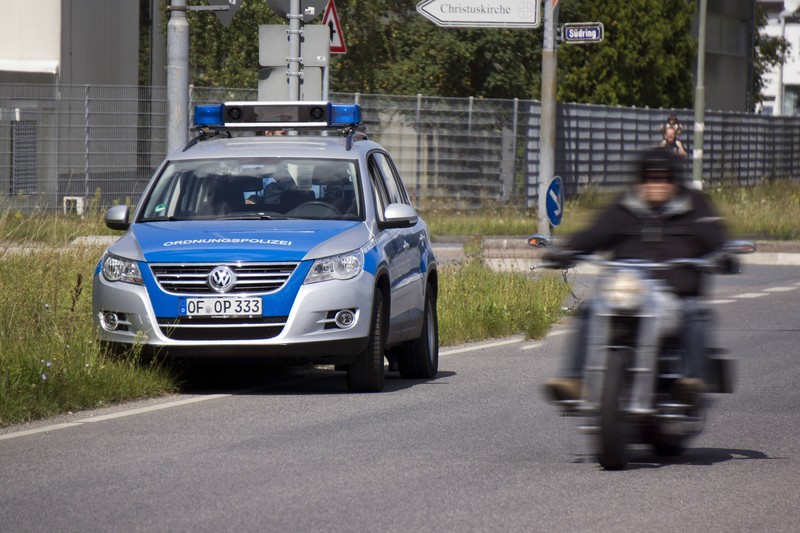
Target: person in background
672	142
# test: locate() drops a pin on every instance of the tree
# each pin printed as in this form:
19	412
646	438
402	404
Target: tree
769	53
393	49
644	60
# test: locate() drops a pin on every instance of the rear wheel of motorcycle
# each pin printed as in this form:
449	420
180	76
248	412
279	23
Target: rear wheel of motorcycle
613	446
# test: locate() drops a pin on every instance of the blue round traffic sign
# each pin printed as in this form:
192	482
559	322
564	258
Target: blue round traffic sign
555	201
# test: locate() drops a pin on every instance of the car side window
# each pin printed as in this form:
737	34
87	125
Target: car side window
379	190
394	187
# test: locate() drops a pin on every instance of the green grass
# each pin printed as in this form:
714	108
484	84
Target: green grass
50	361
768	211
476	303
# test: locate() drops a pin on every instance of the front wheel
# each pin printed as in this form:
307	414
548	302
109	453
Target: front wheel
613	453
419	359
366	373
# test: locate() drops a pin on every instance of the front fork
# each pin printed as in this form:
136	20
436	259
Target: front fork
661	319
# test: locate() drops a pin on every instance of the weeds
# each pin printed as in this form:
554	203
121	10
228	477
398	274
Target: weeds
476	303
50	361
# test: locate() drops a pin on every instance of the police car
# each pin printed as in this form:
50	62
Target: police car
296	243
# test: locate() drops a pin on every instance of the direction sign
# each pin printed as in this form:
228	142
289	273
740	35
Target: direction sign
331	20
481	13
582	32
555	201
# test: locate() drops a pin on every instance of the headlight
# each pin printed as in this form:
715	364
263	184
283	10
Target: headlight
119	269
344	266
624	290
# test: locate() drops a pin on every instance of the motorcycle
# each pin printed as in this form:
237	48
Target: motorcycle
635	357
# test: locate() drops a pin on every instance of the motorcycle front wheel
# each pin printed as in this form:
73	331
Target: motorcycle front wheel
613	447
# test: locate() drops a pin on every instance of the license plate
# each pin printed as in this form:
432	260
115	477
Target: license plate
220	306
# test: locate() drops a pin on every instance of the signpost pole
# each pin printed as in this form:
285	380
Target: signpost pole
177	76
547	137
294	72
699	100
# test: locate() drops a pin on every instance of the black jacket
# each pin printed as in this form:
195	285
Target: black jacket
686	226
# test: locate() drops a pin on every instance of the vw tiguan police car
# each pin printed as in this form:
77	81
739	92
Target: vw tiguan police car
301	247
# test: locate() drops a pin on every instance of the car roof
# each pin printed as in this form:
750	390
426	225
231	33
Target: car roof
301	146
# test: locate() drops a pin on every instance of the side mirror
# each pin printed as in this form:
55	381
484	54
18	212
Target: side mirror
399	216
117	217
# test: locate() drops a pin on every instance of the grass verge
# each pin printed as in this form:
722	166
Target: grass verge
476	303
50	361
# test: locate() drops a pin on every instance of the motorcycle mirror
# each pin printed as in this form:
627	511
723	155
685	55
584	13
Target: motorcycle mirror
539	240
740	247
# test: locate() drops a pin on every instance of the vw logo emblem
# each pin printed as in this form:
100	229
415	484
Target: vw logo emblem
221	279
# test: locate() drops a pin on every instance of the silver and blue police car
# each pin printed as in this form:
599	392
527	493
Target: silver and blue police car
288	244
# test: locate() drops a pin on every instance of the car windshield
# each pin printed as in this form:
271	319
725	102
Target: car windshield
245	188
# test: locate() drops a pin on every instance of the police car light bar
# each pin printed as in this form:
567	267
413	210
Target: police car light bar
264	115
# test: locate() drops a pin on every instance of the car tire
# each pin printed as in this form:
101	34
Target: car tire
366	373
419	359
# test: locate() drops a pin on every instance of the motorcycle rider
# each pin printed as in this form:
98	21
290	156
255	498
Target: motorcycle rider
660	219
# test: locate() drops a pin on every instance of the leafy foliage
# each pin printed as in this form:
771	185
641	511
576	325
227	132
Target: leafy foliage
769	53
644	59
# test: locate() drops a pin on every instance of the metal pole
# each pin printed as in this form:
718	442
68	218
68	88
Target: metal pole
779	97
295	30
177	76
547	139
699	100
85	144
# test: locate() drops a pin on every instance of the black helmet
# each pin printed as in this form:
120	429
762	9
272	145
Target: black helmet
659	161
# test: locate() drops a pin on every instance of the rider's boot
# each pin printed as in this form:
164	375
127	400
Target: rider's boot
563	389
688	391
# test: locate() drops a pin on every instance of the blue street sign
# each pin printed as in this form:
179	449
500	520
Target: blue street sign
555	201
582	32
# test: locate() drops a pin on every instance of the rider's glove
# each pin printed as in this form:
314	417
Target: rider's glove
563	258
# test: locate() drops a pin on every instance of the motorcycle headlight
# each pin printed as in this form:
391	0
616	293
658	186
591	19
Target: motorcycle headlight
344	266
118	269
623	290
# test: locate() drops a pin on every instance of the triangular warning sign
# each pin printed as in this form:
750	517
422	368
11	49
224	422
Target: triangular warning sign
331	20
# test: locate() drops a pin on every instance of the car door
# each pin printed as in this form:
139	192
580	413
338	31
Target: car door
403	249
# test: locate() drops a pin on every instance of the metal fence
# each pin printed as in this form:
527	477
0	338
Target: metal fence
64	147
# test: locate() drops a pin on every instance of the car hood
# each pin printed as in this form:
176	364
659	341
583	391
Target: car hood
240	240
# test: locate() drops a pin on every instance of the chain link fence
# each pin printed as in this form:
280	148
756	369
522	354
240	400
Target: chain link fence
64	147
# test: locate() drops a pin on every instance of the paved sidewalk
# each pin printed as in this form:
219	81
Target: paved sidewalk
514	253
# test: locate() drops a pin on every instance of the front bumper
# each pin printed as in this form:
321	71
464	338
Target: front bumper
306	333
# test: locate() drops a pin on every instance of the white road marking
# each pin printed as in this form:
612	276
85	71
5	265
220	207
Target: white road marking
44	429
477	347
780	289
151	408
750	295
121	414
720	302
531	346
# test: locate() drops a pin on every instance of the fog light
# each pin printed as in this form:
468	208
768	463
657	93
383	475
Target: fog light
345	318
109	321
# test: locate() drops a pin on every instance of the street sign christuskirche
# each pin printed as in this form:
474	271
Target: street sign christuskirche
481	13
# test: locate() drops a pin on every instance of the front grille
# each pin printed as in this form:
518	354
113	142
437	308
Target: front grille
251	278
220	329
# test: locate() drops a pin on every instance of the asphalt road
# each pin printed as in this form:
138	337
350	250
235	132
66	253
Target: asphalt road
476	449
